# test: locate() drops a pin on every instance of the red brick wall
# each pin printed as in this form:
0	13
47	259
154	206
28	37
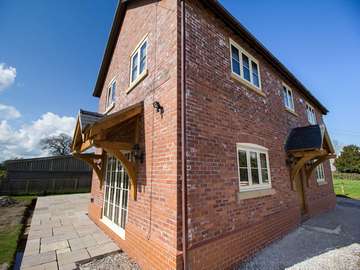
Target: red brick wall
151	231
221	112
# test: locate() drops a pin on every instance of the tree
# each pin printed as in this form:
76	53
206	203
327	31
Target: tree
349	160
57	145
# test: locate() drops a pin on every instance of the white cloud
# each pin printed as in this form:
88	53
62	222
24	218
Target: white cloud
24	142
7	76
8	112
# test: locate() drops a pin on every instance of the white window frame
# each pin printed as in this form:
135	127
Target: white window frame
289	97
320	173
249	147
137	50
110	95
311	114
251	59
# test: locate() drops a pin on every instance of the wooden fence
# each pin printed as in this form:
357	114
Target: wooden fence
347	176
63	174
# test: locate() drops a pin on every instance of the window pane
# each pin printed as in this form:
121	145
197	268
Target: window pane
253	160
235	60
134	67
246	67
106	209
126	181
255	176
107	193
108	97
116	215
285	97
263	161
265	176
111	208
117	198
242	159
255	74
236	67
244	178
235	53
112	191
291	100
123	218
125	199
113	91
143	57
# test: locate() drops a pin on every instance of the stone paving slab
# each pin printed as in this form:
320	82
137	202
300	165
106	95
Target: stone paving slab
61	234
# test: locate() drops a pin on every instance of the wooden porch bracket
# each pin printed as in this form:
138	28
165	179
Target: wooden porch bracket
130	166
97	166
320	160
301	158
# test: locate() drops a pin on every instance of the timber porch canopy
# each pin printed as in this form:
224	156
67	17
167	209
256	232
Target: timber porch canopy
307	147
113	133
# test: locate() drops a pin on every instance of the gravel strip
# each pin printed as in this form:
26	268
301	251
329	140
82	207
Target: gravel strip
118	261
326	242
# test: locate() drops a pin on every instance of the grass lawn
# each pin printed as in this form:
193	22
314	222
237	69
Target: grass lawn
351	188
11	227
8	243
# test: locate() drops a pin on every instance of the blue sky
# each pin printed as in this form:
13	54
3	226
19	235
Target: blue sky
56	48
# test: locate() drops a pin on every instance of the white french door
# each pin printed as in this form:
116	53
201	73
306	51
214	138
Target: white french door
116	196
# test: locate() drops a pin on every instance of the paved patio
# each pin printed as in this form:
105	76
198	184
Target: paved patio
61	234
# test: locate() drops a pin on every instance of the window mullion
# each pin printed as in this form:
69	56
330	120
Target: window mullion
259	168
139	61
268	167
250	70
241	64
121	178
249	167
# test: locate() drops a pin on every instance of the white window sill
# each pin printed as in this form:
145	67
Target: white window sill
321	183
109	109
256	193
291	111
137	81
112	226
248	84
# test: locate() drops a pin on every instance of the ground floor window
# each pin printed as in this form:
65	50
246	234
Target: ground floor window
320	175
253	165
116	195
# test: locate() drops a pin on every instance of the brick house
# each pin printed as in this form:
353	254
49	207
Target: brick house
207	147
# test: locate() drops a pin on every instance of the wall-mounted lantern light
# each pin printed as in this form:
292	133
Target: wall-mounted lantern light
137	153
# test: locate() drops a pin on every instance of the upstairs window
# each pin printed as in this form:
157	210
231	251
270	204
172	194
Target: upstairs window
253	166
288	98
244	66
139	62
320	175
110	96
311	114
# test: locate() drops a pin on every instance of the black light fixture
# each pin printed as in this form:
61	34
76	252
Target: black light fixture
158	107
137	153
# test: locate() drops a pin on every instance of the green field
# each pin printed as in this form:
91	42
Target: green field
349	188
